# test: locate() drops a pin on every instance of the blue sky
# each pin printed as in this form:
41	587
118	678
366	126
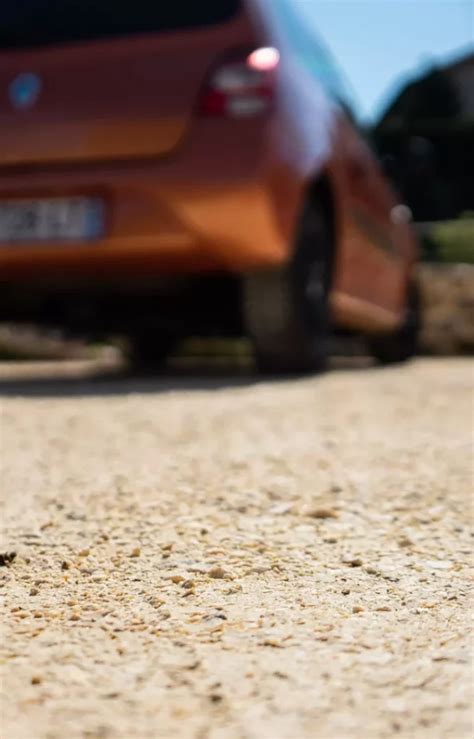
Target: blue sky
378	44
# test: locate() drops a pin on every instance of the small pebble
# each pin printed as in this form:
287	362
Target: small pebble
438	564
136	552
217	573
358	609
6	558
323	513
271	642
279	509
36	680
34	591
353	561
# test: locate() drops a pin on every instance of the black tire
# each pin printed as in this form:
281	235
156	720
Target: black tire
286	310
149	351
402	344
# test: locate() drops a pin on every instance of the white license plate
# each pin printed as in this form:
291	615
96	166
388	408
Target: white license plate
55	219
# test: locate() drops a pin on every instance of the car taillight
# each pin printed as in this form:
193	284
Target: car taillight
243	86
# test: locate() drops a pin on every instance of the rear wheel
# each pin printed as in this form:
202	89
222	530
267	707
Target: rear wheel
286	310
402	344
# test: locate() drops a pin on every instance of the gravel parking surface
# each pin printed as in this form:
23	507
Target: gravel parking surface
258	561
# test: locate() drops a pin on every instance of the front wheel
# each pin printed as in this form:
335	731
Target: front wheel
286	309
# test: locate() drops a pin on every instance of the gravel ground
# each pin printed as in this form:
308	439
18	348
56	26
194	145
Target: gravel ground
258	561
447	298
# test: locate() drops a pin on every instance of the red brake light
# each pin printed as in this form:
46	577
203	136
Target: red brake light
243	86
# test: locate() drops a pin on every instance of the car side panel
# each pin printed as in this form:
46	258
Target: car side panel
369	268
312	132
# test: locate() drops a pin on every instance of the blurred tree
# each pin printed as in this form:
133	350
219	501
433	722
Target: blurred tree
433	97
427	138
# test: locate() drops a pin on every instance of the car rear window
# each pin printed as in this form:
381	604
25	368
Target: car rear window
33	23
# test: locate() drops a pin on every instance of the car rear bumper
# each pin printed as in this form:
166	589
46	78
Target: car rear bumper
226	228
212	207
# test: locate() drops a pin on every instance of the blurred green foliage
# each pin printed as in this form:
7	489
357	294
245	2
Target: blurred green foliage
450	241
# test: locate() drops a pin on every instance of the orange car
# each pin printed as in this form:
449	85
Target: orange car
191	168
